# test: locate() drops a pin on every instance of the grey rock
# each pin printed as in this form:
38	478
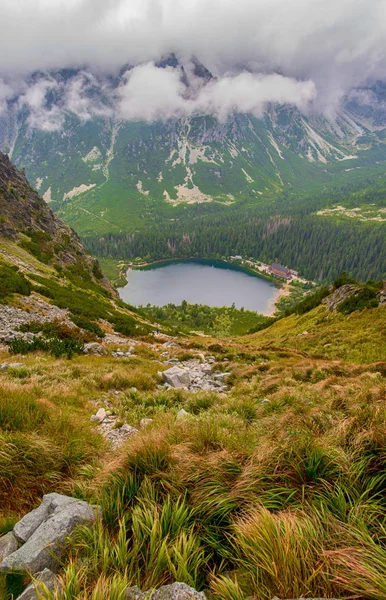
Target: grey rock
338	296
182	414
34	591
55	522
94	348
134	593
119	435
32	520
13	365
99	416
145	422
177	377
177	591
8	545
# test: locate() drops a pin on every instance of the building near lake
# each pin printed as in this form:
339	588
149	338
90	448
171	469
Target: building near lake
280	271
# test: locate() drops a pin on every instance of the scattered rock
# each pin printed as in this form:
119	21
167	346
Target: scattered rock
145	422
118	435
45	530
8	545
34	591
194	376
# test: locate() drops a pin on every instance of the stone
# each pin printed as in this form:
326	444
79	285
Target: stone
99	416
182	414
8	545
177	377
134	593
34	591
177	591
45	531
31	521
145	422
14	365
119	435
94	348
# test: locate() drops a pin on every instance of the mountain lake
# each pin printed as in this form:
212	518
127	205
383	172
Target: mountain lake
215	283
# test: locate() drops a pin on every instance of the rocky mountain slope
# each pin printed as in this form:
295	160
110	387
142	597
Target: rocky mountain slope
108	174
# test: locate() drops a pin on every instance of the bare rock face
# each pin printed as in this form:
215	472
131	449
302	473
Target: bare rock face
43	531
338	296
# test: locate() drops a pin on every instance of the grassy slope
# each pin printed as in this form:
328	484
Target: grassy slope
249	498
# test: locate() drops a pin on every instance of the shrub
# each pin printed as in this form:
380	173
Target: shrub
12	281
343	279
88	325
57	347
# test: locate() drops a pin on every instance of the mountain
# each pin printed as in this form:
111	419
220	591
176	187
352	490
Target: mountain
105	174
42	259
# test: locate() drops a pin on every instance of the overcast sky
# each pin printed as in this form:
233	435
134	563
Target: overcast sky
301	52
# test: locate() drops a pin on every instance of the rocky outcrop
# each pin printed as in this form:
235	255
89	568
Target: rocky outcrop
43	531
338	296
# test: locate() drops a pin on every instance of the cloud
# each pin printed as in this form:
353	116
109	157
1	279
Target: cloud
150	93
248	45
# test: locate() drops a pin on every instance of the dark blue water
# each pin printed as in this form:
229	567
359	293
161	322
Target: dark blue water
201	282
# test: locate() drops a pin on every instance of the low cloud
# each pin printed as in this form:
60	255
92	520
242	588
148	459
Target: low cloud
150	93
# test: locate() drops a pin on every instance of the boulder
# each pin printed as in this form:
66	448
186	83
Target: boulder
99	416
45	530
134	593
32	520
94	348
177	591
13	365
34	591
8	545
177	377
182	414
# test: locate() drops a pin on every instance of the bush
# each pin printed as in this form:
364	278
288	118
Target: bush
88	325
343	279
57	347
13	282
310	301
366	298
